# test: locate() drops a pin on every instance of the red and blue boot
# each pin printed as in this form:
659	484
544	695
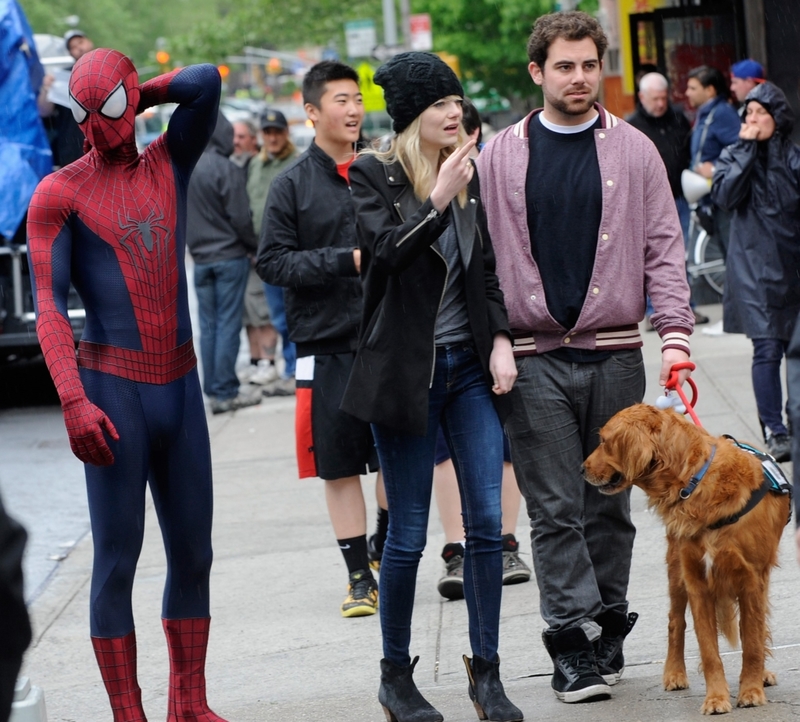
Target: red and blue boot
187	641
116	657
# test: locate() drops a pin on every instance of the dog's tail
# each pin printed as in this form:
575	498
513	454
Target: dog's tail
728	620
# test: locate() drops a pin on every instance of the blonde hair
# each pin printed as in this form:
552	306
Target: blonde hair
404	148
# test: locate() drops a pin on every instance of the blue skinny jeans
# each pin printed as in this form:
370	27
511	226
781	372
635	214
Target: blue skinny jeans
459	399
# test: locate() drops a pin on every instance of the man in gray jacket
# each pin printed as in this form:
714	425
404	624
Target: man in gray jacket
583	224
220	234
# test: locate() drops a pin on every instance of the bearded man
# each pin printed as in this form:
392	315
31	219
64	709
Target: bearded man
583	224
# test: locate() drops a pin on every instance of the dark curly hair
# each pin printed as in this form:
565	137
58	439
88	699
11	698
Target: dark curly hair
571	25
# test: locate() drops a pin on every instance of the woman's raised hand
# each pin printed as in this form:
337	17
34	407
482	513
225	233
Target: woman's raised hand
454	175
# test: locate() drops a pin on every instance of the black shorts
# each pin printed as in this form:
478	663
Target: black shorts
331	444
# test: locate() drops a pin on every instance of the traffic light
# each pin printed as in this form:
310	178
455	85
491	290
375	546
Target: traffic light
274	66
162	57
224	71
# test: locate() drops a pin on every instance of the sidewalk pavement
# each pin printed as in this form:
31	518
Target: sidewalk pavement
280	651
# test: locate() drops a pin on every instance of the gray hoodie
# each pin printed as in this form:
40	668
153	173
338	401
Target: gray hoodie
219	224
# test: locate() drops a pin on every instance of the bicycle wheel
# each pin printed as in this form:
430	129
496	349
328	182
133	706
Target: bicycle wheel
709	261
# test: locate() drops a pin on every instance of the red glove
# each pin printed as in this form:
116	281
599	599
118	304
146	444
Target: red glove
85	425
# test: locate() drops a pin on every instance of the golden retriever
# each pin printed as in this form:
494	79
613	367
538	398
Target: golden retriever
715	570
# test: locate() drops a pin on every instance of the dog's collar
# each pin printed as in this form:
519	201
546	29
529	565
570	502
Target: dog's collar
686	492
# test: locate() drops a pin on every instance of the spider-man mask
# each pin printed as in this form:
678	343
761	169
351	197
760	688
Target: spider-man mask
104	95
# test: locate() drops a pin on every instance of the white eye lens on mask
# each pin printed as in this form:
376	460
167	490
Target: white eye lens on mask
116	104
78	111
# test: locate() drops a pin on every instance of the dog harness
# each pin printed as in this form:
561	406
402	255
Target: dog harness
775	481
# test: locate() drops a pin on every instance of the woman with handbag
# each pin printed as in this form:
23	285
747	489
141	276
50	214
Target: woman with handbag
434	348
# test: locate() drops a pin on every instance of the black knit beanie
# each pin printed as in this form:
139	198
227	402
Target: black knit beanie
412	82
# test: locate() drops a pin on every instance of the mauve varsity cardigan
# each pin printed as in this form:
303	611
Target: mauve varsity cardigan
640	247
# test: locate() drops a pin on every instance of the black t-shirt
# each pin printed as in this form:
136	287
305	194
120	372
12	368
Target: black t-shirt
564	201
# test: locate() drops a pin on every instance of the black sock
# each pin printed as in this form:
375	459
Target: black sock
254	361
354	552
381	528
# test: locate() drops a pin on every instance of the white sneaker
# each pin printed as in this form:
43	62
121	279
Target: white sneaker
715	329
246	373
264	373
241	400
281	387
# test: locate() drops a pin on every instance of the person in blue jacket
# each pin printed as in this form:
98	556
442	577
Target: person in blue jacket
716	125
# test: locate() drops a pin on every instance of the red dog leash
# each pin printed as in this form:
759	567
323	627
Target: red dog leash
674	385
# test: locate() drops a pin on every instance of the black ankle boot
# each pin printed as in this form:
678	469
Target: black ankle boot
575	675
487	693
400	698
608	648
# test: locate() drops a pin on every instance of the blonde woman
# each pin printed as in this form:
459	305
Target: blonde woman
434	348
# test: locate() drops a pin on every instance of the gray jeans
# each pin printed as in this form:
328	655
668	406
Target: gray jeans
582	540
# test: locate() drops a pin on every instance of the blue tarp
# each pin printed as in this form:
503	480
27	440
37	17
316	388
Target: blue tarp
25	156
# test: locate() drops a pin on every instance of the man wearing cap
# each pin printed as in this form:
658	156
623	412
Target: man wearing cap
78	44
277	152
745	75
66	138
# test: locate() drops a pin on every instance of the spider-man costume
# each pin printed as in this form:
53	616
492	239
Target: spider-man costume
113	223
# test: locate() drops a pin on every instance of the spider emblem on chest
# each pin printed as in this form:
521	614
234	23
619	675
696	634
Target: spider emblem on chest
143	234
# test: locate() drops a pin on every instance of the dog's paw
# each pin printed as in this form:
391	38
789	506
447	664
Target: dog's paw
716	704
770	680
753	697
675	680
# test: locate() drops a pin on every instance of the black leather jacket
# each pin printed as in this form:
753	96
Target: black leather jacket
307	241
404	279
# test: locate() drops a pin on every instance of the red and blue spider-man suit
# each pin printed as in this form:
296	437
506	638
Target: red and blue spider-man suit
113	223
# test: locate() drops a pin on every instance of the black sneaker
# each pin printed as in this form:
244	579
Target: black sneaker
780	446
515	571
451	585
575	677
608	648
373	554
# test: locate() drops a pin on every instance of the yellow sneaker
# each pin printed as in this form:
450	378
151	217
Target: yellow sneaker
362	596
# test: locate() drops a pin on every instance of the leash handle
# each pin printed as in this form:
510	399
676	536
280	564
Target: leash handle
674	385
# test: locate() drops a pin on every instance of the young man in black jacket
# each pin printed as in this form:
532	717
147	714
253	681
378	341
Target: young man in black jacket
309	246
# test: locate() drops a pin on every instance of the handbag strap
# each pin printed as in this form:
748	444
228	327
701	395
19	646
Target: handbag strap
699	153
